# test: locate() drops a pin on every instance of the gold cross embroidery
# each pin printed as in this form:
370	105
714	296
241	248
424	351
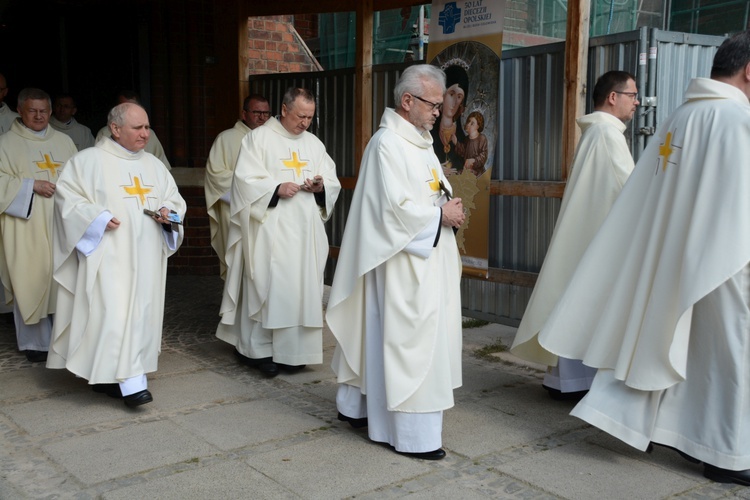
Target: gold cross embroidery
295	163
48	164
435	183
137	190
666	150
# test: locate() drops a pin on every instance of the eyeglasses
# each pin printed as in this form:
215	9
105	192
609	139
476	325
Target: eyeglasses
633	95
259	113
435	105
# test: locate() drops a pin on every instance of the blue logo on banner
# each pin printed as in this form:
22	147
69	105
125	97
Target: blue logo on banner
449	17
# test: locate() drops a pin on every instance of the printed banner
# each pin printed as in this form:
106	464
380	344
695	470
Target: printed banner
466	42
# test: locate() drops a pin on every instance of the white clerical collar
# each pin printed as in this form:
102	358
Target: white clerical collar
124	148
40	133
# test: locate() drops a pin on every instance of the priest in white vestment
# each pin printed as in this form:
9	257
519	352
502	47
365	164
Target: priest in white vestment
111	259
32	155
395	306
660	302
220	169
601	166
153	145
63	111
7	115
284	189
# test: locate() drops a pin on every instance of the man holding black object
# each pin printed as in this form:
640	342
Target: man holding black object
395	304
111	259
284	189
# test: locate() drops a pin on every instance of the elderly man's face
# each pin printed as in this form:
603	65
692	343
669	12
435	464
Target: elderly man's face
135	132
422	114
35	114
297	118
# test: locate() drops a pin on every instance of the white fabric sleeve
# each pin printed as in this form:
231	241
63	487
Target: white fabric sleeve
21	205
93	235
421	245
170	237
226	197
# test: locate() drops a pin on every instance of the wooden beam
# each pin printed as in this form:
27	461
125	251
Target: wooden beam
576	62
285	7
536	189
363	79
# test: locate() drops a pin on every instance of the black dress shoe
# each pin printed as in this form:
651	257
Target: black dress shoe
357	423
138	398
36	356
558	395
438	454
290	368
727	476
266	365
111	390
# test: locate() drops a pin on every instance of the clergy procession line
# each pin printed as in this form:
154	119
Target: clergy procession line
641	310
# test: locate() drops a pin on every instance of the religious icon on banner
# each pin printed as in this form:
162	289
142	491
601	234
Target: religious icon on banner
466	40
465	137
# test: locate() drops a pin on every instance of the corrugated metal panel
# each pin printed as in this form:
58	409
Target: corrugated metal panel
530	107
680	57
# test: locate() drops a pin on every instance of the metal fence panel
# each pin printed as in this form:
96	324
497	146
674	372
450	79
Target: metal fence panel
530	107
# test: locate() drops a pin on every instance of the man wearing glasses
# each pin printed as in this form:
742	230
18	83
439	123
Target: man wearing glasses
32	155
600	168
220	168
395	304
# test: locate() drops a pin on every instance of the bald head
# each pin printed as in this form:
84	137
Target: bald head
128	123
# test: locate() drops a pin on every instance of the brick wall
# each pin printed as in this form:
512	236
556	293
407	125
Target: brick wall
275	46
195	256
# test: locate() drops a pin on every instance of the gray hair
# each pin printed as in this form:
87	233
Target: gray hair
117	114
293	93
413	79
32	94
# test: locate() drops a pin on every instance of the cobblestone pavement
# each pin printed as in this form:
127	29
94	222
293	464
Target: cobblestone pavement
219	430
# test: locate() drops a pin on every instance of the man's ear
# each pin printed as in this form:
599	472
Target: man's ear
112	128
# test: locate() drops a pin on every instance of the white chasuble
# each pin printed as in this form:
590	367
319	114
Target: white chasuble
601	166
396	201
80	134
111	302
26	251
276	256
219	172
7	117
660	300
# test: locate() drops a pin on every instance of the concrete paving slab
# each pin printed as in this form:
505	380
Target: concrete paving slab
35	382
196	389
71	411
336	466
583	471
136	448
513	414
239	425
171	363
227	480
